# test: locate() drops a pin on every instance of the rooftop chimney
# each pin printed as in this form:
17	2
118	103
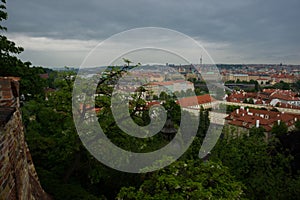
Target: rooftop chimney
257	123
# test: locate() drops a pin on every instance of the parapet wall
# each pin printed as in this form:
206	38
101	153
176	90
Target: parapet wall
18	178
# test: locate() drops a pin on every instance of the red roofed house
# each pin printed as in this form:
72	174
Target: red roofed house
237	97
263	81
44	76
195	102
285	96
244	119
284	77
285	105
267	96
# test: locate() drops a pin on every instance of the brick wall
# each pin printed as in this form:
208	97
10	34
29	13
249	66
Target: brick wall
18	178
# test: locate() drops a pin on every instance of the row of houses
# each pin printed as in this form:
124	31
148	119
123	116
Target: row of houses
268	97
262	79
169	87
245	119
241	119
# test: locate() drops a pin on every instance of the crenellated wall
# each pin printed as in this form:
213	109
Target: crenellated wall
18	178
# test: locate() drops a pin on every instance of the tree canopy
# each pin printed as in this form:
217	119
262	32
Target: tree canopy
192	179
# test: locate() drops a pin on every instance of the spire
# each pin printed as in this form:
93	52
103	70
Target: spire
201	61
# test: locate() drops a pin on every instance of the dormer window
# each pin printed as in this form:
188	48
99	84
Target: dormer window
267	117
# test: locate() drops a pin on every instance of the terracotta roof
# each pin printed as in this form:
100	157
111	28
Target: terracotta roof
262	79
89	107
279	76
236	123
195	100
248	118
269	91
251	94
267	95
286	95
286	105
44	76
48	90
236	97
259	101
152	103
97	110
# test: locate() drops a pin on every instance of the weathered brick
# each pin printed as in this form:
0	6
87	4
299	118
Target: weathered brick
17	172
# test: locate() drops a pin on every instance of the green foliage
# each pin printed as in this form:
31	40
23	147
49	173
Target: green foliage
258	132
190	92
279	129
193	151
64	191
282	85
163	96
198	91
174	110
297	125
251	101
293	189
263	169
54	143
230	108
296	86
191	179
274	109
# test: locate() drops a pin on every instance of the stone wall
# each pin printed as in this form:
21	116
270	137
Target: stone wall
18	178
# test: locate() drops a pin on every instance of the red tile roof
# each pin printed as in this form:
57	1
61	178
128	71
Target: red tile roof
286	105
262	79
152	103
286	95
269	91
259	101
44	76
195	100
279	76
263	97
248	118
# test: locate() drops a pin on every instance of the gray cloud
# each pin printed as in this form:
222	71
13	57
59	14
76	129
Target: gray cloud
256	31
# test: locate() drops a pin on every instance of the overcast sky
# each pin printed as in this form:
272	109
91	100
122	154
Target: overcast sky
61	33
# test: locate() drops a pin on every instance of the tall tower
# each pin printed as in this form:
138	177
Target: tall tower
201	61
